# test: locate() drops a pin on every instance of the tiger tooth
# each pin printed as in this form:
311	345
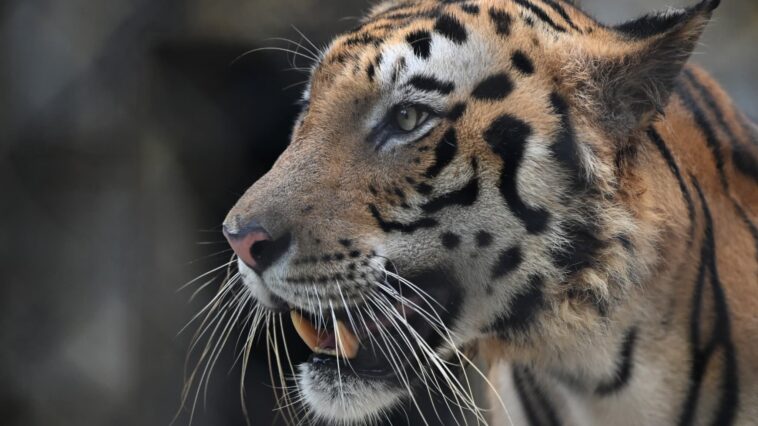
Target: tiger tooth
347	343
305	330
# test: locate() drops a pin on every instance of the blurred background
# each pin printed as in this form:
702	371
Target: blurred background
126	132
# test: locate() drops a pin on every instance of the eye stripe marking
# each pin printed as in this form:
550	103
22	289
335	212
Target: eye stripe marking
493	88
457	111
507	136
431	84
451	28
444	153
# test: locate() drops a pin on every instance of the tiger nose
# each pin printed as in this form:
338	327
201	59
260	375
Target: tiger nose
255	246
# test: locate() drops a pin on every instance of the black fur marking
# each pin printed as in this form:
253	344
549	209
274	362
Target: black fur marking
523	311
371	71
720	341
522	62
421	42
345	242
471	9
493	88
507	136
483	239
401	227
538	410
444	153
624	367
424	189
507	262
583	249
561	11
502	21
451	28
742	158
363	39
565	148
431	84
541	15
450	240
674	167
465	197
705	127
457	111
745	161
650	25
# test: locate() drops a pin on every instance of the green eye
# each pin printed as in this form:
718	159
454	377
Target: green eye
408	118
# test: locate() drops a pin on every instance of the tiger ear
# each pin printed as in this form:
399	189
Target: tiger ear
633	77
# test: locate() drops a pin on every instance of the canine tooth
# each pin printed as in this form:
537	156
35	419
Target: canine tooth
347	343
305	330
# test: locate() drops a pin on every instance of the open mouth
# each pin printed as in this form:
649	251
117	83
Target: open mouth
378	339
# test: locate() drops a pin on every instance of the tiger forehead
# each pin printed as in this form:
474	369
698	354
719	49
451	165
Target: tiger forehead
416	22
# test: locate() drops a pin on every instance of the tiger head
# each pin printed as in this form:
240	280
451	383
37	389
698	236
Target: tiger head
462	174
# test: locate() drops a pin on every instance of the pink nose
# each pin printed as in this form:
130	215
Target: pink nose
250	245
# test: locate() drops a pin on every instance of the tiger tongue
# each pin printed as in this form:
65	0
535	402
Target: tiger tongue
341	342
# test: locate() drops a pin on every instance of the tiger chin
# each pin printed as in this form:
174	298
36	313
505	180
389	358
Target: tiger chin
570	201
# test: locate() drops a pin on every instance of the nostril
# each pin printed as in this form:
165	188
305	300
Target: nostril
266	252
255	246
243	239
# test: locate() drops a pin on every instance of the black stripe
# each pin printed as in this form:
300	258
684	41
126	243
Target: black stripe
507	136
523	311
451	28
623	367
507	262
535	403
502	21
471	9
421	42
702	123
561	11
522	62
431	84
541	14
444	153
671	162
728	401
493	88
389	226
751	226
583	248
565	148
742	158
465	196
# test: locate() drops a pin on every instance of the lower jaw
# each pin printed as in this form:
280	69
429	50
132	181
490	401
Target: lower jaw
347	397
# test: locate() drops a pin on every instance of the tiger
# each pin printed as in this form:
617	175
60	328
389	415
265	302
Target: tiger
511	192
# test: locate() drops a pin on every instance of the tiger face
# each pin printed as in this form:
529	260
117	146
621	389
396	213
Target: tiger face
454	178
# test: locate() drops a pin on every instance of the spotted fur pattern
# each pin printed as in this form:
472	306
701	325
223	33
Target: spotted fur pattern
593	198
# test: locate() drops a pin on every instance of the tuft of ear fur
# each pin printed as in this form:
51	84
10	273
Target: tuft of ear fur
633	79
